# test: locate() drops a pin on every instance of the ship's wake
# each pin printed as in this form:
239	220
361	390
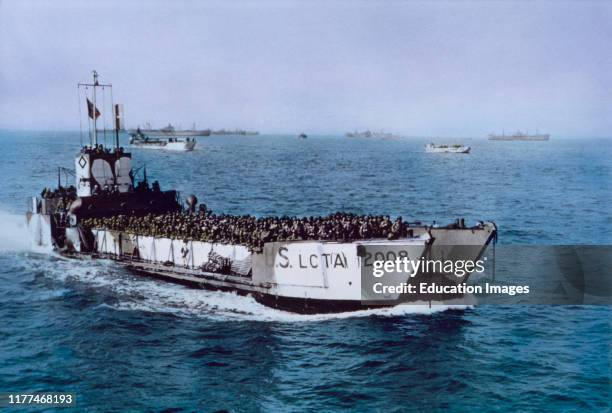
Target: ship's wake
14	236
123	291
185	302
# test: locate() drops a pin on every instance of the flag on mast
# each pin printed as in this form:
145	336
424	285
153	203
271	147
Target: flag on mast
91	108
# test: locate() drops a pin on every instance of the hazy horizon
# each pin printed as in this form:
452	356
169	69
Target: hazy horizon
420	69
293	134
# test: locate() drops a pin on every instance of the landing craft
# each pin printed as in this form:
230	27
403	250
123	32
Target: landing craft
445	148
307	276
140	140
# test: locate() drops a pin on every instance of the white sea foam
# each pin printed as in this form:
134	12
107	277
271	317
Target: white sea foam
142	294
13	233
226	306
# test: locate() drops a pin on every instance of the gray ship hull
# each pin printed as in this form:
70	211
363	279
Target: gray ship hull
544	137
158	132
282	276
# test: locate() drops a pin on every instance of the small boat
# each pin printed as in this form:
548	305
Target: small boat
302	135
140	140
456	148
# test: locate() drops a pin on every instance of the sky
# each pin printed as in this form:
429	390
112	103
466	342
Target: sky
415	68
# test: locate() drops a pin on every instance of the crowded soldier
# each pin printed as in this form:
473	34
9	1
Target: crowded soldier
254	232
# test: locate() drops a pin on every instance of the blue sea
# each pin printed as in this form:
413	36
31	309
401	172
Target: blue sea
126	343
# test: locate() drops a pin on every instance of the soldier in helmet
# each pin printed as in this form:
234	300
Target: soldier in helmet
202	209
365	230
396	229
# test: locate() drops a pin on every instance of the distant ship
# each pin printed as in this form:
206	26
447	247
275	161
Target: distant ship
234	132
520	136
140	140
365	134
302	135
370	134
433	148
172	131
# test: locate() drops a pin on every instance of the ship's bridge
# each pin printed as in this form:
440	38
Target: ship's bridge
98	168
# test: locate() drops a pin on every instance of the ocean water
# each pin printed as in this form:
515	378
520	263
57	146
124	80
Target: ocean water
126	343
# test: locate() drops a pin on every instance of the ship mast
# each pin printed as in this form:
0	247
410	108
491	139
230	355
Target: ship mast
94	113
95	117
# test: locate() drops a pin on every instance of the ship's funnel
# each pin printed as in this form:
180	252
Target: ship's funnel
97	170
